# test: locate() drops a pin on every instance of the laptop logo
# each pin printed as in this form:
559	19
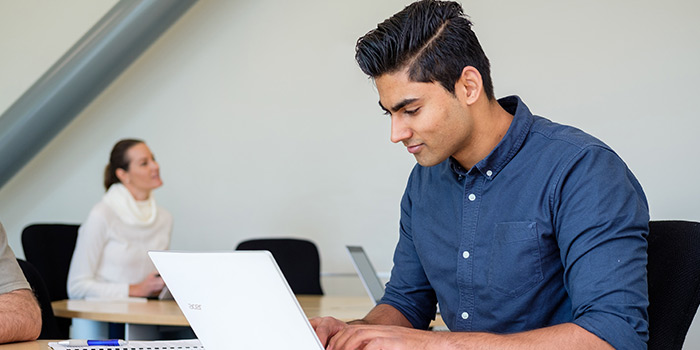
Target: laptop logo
197	307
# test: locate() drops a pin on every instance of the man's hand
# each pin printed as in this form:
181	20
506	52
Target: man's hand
326	328
338	335
373	337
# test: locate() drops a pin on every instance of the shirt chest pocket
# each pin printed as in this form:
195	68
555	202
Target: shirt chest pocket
514	264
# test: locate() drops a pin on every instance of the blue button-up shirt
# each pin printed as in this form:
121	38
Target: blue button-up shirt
549	228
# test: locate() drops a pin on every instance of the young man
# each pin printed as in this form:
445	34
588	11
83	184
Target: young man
529	234
20	317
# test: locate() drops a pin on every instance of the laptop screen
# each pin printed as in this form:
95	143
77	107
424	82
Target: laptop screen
364	268
236	300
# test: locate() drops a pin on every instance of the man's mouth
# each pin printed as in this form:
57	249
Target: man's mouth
414	148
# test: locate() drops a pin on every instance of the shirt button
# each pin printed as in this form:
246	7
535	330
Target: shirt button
489	173
465	315
465	254
472	197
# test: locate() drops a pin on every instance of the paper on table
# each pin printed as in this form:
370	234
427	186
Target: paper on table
123	300
141	345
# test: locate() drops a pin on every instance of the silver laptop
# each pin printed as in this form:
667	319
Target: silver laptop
373	285
165	294
236	300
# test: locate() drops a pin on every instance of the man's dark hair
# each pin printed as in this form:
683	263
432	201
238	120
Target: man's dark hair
433	39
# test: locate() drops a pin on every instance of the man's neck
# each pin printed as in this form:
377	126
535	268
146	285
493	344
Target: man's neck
491	123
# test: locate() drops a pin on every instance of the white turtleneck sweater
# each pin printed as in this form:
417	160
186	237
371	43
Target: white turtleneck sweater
111	250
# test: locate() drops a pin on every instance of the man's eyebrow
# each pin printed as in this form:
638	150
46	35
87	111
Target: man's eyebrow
382	107
399	105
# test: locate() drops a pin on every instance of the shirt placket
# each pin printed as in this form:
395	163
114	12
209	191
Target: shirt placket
465	267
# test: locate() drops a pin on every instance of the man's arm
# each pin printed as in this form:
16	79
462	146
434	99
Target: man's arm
563	336
20	316
384	327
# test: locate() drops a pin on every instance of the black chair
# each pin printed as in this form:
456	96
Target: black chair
49	327
49	248
674	281
297	258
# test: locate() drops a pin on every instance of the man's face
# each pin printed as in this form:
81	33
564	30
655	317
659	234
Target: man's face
430	121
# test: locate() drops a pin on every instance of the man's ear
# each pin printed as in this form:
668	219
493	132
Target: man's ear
122	175
469	86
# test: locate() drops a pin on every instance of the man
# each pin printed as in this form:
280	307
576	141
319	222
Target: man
20	316
529	234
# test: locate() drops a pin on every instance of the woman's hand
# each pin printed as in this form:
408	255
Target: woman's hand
150	286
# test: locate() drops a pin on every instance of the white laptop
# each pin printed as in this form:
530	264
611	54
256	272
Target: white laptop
373	285
236	300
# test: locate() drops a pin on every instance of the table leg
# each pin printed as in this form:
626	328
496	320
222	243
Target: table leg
141	332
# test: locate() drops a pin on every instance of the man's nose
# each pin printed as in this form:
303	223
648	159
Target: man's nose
399	130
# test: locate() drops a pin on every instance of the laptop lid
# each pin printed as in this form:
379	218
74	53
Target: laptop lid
165	294
236	300
373	285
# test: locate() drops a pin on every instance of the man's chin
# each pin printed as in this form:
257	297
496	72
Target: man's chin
428	162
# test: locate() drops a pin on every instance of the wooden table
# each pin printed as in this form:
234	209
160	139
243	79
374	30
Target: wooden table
138	316
166	312
30	345
151	312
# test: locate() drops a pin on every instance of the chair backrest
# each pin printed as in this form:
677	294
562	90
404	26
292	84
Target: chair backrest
49	327
297	258
49	248
674	281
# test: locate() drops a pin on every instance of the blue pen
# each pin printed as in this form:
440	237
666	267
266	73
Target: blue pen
83	342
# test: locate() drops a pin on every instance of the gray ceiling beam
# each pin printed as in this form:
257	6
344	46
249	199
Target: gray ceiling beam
79	76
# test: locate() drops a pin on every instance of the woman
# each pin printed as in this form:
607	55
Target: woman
110	258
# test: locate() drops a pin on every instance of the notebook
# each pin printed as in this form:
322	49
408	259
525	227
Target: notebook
373	285
190	344
236	300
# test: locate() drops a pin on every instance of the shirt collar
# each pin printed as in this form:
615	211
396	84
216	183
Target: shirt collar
508	146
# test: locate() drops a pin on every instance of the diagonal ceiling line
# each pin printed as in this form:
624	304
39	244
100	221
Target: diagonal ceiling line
79	76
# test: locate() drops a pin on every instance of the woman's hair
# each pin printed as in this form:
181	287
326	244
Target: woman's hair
118	160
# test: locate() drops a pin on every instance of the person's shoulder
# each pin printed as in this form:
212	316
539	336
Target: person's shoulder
101	216
569	147
566	135
164	214
102	210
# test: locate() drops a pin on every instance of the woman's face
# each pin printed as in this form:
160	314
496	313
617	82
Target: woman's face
143	175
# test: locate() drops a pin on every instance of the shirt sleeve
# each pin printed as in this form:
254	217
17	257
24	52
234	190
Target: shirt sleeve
601	219
408	289
89	247
11	276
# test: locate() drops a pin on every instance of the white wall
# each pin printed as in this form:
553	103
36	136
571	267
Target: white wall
263	124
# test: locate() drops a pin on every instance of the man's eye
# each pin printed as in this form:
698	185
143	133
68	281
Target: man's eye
411	111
